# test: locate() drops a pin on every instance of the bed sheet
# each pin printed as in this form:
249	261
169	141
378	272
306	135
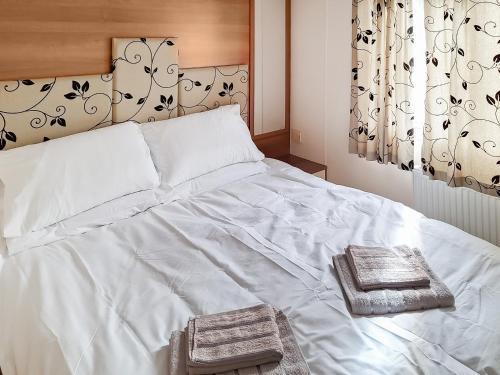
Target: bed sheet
105	301
130	205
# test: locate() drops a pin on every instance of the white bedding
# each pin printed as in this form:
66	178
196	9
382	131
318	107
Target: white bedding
104	299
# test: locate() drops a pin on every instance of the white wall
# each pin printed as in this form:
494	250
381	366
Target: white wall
269	64
320	99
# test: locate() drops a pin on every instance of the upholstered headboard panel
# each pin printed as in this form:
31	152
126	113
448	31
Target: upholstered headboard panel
145	79
32	111
201	89
149	86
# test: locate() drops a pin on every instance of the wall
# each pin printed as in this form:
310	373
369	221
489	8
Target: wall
269	65
40	39
320	99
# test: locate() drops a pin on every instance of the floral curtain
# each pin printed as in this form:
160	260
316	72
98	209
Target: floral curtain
462	125
383	64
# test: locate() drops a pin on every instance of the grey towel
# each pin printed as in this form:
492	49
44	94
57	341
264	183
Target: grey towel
384	301
292	363
177	354
378	268
225	341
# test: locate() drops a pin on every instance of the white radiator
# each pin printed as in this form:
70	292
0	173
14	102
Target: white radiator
473	212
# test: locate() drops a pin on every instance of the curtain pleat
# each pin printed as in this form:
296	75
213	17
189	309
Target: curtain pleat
382	114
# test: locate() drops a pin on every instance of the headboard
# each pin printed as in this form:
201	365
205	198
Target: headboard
146	84
32	111
145	77
208	88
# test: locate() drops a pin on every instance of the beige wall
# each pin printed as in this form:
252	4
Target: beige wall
320	99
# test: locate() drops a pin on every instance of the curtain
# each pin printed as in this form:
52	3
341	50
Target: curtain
462	126
382	114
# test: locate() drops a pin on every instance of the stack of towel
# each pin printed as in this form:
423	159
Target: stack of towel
388	280
253	341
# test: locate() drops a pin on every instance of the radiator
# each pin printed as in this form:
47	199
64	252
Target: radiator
473	212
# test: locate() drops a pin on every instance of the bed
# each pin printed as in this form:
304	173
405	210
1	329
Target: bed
101	291
103	296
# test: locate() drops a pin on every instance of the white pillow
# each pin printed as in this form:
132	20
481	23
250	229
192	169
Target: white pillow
190	146
49	182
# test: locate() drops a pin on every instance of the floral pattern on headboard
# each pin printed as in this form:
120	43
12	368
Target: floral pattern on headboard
202	89
145	79
33	111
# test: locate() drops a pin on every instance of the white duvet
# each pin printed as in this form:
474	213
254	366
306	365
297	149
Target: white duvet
102	293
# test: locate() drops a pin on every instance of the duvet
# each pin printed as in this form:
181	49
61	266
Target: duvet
104	298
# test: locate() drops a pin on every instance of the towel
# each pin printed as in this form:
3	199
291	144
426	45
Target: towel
177	354
292	363
384	301
378	268
225	341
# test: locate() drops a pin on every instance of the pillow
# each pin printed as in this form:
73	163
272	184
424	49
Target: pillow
190	146
49	182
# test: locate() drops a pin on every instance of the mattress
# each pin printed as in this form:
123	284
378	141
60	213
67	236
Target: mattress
102	293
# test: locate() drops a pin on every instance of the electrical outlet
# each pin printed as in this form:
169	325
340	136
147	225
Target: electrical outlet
296	136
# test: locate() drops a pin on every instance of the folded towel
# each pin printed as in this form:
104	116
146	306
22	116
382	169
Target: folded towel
177	354
292	363
378	268
384	301
225	341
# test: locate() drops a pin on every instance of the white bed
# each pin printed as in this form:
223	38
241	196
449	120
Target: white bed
109	287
